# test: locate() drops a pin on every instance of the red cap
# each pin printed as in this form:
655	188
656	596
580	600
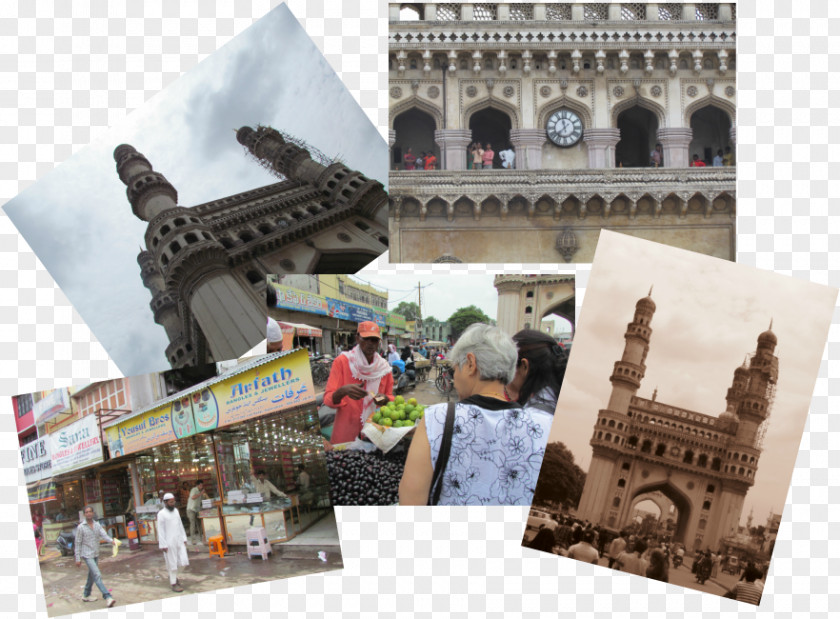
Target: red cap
369	329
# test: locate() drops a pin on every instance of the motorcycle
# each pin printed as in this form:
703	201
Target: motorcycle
405	375
66	541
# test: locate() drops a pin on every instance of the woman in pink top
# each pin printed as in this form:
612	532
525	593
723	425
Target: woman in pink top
487	157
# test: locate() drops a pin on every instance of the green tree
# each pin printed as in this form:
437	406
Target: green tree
561	480
409	309
464	317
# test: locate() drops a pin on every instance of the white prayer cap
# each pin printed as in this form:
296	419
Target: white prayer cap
168	496
273	332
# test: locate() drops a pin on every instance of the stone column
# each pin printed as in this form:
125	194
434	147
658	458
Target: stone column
392	138
614	11
393	12
577	12
527	144
502	12
724	11
466	12
600	144
453	147
430	11
675	142
689	11
732	133
539	12
652	12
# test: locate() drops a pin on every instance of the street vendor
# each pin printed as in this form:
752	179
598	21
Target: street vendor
356	378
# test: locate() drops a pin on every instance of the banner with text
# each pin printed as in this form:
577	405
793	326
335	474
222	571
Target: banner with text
76	446
269	388
37	463
300	300
355	313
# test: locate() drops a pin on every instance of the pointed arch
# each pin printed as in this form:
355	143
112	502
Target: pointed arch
415	102
639	101
710	100
495	104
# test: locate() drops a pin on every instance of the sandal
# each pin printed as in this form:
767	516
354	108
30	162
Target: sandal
177	588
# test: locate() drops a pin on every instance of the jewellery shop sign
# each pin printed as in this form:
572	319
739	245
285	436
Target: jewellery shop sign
76	446
274	386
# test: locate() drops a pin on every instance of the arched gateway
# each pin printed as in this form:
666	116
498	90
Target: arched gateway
642	446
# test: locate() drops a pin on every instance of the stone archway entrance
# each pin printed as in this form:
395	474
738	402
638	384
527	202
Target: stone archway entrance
415	129
677	498
709	133
493	126
637	127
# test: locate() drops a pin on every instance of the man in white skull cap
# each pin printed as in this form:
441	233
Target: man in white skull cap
172	540
274	336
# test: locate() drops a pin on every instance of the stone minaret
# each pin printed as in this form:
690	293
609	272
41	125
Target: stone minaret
630	370
191	262
341	188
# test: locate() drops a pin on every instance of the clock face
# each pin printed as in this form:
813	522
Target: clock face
564	128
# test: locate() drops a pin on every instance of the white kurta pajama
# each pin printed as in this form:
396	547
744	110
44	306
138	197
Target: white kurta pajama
171	535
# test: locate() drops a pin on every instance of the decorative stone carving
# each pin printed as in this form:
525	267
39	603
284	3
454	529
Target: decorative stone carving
509	91
691	91
471	91
656	91
566	244
618	91
582	91
490	83
415	85
344	237
396	92
433	92
729	91
545	91
287	265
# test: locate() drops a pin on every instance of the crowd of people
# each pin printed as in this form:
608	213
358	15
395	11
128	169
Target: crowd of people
724	157
641	555
426	160
484	449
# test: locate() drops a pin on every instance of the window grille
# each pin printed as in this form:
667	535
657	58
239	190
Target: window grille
521	12
558	12
670	11
633	11
706	11
595	11
449	11
484	12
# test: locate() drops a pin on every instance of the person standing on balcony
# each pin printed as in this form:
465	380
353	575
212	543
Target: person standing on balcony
409	159
656	156
477	155
487	157
696	162
728	157
717	162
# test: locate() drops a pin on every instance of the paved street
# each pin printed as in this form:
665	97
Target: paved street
140	576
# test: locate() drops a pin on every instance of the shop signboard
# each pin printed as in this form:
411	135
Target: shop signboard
76	446
396	321
41	491
37	463
268	388
50	405
355	313
300	300
276	385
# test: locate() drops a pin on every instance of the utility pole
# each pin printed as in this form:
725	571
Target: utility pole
419	318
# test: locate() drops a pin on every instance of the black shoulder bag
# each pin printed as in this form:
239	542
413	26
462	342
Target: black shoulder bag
443	455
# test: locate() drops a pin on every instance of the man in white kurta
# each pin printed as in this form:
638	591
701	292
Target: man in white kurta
172	540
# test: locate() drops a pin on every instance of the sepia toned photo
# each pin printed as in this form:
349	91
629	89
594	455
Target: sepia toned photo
680	417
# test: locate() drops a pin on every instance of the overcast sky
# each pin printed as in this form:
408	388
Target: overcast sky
443	294
77	218
709	314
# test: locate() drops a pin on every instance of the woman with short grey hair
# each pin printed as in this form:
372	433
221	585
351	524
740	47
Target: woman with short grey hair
493	448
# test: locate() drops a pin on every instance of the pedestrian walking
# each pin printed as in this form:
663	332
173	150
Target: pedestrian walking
88	534
194	506
172	540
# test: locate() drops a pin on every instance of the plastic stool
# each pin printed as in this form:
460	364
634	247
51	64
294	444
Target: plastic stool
257	542
217	546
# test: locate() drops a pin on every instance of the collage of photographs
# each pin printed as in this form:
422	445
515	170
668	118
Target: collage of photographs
274	282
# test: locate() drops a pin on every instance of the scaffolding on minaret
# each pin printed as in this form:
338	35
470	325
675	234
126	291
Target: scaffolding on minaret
314	153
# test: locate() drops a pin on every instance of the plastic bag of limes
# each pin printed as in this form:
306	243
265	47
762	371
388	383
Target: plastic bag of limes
400	413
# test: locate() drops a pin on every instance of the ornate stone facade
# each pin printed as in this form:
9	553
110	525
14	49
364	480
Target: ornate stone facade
633	75
704	465
524	300
206	265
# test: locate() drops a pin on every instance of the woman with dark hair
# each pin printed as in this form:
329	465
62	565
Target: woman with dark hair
540	367
658	568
